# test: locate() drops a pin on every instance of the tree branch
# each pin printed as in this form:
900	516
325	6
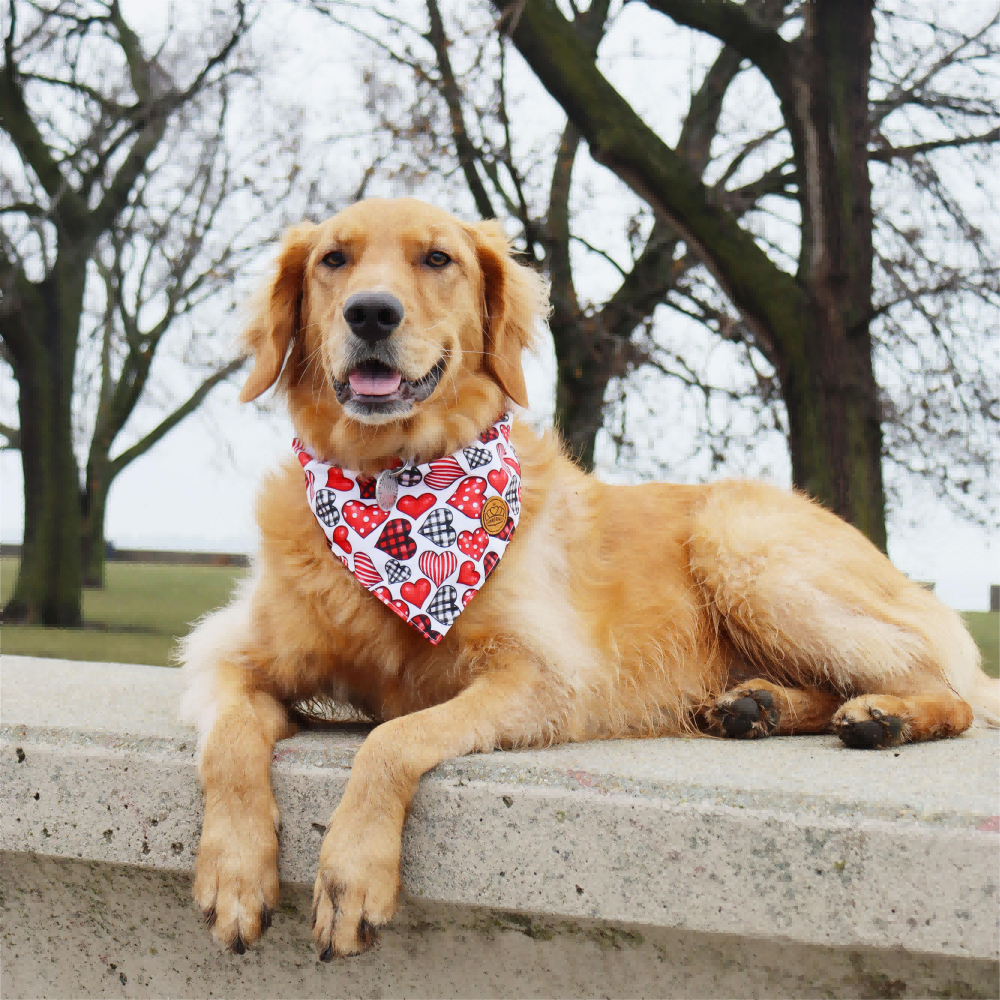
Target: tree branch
168	423
620	140
740	28
158	110
452	95
886	153
20	126
13	436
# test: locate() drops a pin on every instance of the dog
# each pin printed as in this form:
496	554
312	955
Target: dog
543	605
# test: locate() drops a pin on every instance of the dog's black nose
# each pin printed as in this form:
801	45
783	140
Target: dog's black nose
373	315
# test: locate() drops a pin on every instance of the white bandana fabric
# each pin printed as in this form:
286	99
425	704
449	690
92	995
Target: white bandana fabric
426	557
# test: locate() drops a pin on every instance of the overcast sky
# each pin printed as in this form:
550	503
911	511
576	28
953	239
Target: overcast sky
194	490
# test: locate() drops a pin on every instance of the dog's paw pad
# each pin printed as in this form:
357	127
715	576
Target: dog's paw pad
879	729
751	715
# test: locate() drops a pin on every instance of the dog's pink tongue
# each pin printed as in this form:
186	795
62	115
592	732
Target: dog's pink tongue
372	384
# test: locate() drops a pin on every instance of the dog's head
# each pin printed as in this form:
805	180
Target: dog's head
396	325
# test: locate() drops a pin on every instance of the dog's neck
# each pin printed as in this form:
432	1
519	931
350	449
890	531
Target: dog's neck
432	432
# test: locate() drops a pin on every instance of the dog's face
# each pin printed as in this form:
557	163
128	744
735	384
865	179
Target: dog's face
394	317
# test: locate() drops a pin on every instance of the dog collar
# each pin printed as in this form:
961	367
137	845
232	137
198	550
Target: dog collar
445	529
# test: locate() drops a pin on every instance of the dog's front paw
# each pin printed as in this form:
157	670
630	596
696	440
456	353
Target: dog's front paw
746	712
357	885
236	874
871	721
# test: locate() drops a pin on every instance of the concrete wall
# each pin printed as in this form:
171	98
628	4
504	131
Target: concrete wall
788	867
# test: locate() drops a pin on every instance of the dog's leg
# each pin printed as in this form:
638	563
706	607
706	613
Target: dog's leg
759	708
236	874
877	720
359	876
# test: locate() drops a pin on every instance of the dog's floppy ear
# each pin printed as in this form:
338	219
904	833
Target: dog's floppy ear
278	313
515	297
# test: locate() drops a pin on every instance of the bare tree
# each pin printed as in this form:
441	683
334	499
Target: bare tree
739	179
120	173
463	117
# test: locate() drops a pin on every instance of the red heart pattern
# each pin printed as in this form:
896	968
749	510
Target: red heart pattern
443	473
365	571
378	545
415	506
437	565
396	540
468	498
473	543
340	537
508	459
416	593
336	480
498	479
400	607
364	518
423	624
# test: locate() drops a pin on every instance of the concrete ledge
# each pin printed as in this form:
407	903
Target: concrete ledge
784	842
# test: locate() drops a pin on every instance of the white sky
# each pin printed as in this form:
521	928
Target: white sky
194	490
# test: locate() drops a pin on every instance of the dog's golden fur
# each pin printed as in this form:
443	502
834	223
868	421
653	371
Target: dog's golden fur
616	610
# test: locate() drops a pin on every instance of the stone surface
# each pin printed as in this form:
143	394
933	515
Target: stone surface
87	929
780	843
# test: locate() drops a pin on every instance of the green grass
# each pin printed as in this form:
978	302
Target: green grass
985	629
146	606
135	619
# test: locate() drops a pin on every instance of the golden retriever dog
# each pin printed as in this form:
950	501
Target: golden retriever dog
395	333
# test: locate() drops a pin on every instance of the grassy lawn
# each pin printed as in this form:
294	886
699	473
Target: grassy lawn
147	606
136	619
985	629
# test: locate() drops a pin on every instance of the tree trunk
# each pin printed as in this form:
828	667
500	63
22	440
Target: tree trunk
830	388
585	368
93	506
48	588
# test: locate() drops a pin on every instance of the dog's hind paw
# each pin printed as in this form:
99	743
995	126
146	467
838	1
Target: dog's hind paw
862	725
746	712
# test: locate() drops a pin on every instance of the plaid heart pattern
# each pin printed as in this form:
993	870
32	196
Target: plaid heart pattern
438	527
444	607
513	496
326	508
476	456
396	572
410	477
396	540
397	557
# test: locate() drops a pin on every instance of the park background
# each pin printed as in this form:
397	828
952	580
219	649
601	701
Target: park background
325	84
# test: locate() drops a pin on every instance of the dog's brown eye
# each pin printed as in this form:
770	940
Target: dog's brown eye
437	258
335	258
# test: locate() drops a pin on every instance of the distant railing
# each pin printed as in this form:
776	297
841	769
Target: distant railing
113	554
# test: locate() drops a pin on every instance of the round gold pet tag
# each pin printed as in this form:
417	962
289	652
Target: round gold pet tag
494	515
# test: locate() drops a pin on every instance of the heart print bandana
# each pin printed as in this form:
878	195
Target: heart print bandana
427	555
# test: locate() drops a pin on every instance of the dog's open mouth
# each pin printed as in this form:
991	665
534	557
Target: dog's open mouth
375	389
